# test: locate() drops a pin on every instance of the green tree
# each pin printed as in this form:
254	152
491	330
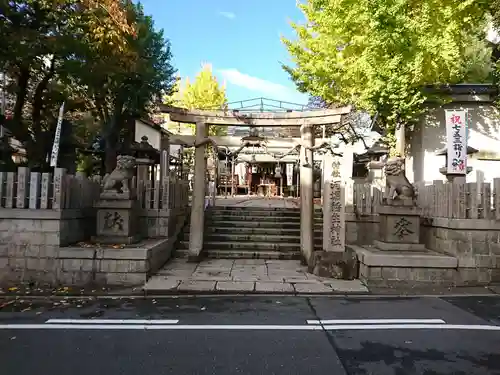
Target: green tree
204	93
494	8
42	42
379	55
128	85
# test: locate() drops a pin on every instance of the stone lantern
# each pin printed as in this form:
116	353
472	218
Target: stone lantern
144	151
444	170
146	156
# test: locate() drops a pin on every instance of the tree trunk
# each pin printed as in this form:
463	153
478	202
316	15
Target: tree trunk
111	137
110	153
37	104
38	147
15	124
22	90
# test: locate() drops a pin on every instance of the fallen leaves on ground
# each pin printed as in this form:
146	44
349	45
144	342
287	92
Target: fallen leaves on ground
7	304
100	245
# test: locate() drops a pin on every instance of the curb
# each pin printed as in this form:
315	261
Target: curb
208	294
215	293
138	292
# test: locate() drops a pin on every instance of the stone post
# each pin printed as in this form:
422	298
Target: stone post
165	178
233	170
198	201
334	210
306	194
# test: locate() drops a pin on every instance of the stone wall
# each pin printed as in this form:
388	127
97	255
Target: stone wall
40	246
474	242
30	241
162	223
470	251
361	229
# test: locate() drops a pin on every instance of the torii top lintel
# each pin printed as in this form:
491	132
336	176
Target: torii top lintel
235	118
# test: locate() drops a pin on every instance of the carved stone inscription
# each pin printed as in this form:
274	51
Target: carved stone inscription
113	221
336	227
402	228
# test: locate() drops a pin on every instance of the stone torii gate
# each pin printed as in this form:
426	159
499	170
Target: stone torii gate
305	120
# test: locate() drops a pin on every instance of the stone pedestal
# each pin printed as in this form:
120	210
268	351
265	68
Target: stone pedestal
399	228
117	219
398	257
306	194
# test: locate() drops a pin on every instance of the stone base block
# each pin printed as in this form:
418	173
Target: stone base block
390	246
399	224
117	220
379	267
373	256
338	265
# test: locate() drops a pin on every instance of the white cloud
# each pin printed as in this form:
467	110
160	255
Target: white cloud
228	15
266	88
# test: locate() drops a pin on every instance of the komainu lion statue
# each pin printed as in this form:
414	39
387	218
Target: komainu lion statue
397	185
120	179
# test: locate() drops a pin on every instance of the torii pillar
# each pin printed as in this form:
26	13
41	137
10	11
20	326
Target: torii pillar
306	193
198	199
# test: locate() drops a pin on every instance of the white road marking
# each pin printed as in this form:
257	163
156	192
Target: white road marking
377	321
471	327
340	327
112	321
162	327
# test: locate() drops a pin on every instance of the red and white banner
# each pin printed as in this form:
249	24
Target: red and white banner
456	134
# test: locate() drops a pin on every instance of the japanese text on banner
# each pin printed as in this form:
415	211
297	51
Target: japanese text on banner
456	134
57	138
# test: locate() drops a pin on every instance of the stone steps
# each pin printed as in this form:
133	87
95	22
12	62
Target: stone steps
261	209
253	223
260	213
244	254
266	219
245	237
255	231
246	245
251	233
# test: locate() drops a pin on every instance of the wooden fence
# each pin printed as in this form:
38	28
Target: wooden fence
439	199
460	201
362	199
161	195
33	190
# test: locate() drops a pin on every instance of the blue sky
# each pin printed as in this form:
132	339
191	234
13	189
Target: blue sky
240	38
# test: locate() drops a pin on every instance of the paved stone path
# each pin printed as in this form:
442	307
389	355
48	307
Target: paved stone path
245	276
243	201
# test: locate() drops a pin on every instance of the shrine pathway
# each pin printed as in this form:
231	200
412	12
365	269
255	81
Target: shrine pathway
244	276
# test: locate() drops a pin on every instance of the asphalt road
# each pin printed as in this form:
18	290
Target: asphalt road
251	335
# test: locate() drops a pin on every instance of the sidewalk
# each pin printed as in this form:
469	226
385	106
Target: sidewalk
245	276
